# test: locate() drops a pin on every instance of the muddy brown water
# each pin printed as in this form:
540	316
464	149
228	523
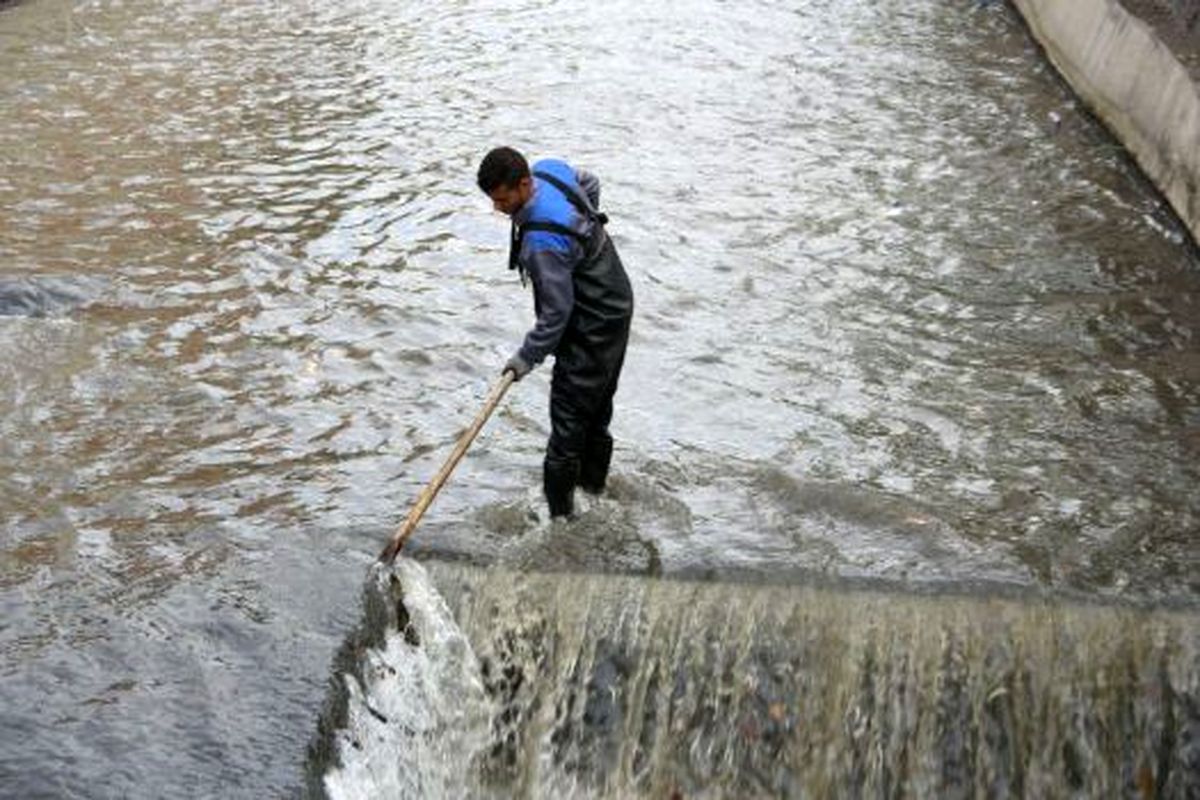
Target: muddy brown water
906	316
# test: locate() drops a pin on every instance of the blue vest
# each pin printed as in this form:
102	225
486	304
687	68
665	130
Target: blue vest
558	216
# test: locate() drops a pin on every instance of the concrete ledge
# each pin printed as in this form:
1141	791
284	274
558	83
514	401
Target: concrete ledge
1134	83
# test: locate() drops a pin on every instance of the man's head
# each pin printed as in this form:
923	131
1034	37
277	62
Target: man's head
504	177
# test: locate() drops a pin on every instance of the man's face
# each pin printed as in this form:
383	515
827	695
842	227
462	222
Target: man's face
509	199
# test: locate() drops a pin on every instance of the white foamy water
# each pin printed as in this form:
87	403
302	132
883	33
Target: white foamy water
416	710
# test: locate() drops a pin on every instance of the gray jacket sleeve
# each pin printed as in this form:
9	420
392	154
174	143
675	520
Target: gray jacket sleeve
590	185
554	292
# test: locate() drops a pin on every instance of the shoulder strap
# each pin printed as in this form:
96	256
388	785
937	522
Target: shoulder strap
518	235
574	198
553	227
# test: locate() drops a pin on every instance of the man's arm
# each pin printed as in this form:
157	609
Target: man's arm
590	185
550	270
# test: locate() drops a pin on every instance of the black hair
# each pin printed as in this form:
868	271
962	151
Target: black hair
503	166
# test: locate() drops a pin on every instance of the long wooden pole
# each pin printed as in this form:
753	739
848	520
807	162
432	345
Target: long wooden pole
418	510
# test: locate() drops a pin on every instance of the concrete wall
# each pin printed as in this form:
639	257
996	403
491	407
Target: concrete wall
1134	83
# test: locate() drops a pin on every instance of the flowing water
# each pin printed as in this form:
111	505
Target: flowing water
588	686
906	316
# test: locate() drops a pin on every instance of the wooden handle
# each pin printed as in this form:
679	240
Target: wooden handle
460	449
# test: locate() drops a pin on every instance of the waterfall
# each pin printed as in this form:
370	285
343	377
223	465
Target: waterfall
469	682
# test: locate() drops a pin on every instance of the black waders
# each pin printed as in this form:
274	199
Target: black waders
587	362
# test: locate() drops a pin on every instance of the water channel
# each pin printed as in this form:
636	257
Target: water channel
908	319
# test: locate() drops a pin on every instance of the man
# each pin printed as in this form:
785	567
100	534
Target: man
583	302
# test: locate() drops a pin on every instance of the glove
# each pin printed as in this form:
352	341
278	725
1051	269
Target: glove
517	366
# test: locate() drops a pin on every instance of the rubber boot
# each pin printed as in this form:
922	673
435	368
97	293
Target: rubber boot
558	479
593	472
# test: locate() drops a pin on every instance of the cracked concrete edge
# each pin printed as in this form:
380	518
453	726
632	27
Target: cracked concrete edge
1134	83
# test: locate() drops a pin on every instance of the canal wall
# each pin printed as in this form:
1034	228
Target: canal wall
1136	63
